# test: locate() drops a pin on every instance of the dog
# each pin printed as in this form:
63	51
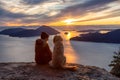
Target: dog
58	58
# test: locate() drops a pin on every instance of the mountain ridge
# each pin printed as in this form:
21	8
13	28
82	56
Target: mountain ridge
22	32
110	37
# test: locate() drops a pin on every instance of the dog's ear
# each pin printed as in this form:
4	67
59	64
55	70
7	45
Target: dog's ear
54	39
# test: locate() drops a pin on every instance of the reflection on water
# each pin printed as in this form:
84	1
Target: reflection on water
104	31
88	53
69	52
69	34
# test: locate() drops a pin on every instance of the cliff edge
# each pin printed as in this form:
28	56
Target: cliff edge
31	71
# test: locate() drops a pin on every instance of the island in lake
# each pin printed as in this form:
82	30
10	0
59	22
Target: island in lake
22	32
110	37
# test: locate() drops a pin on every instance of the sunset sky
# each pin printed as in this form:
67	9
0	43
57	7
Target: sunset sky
59	12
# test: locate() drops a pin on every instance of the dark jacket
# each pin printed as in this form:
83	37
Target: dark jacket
43	53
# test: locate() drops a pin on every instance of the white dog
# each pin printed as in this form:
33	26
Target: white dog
58	58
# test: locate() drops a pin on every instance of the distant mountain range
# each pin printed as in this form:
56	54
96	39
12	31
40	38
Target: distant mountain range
22	32
110	37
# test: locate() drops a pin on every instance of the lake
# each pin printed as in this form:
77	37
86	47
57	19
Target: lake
14	49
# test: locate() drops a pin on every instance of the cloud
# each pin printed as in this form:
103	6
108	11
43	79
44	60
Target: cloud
47	11
4	13
98	18
63	0
7	14
81	9
33	2
7	17
87	6
39	19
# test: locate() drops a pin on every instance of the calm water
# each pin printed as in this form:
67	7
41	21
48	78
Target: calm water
14	49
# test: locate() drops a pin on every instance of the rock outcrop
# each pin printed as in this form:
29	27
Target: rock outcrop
31	71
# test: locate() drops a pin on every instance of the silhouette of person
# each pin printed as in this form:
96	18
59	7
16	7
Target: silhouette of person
43	53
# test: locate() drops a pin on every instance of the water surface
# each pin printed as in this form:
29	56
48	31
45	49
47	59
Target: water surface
13	49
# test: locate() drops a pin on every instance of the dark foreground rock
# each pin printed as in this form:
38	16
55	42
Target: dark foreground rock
30	71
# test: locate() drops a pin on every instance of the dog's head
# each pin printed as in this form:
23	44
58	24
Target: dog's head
57	38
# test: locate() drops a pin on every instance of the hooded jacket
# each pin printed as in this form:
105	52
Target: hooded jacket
43	53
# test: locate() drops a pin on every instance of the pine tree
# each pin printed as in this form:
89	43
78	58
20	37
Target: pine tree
115	64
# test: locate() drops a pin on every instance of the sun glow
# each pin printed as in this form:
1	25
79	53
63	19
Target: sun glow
68	36
68	21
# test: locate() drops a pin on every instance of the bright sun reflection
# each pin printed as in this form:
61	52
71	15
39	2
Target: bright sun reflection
69	34
103	32
69	51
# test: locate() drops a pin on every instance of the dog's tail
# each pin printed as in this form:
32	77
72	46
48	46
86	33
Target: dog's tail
71	68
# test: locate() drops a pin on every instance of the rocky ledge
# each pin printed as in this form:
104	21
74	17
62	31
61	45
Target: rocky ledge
31	71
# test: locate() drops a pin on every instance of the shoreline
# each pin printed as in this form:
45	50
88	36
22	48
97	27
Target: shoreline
31	71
